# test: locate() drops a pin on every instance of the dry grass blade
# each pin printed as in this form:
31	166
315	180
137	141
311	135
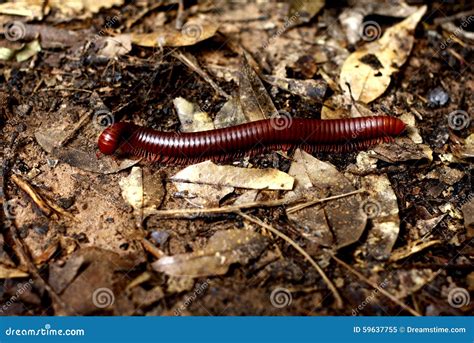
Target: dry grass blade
331	286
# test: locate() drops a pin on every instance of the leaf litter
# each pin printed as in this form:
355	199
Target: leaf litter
281	60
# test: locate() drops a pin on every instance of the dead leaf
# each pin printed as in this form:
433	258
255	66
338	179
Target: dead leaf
90	280
342	217
111	47
222	250
211	174
202	195
368	70
11	273
382	208
311	90
403	149
32	9
230	114
304	10
191	117
254	98
190	34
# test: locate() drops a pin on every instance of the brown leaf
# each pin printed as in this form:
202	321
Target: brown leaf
254	98
222	250
190	34
303	10
212	174
368	70
382	208
90	280
343	217
312	90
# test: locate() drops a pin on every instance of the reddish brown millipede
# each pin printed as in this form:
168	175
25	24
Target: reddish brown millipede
312	135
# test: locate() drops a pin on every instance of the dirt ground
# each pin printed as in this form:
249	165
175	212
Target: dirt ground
88	234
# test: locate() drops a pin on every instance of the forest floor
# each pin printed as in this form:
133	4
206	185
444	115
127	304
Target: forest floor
84	233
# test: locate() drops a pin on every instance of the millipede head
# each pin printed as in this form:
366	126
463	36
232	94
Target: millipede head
111	138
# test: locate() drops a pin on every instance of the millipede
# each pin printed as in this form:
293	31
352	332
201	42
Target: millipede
279	133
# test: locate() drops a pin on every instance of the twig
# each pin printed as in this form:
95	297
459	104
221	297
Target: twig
331	286
193	212
317	201
23	255
374	285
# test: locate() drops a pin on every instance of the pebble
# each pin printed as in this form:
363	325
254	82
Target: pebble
437	97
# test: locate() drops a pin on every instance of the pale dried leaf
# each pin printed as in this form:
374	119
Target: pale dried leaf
190	34
115	46
11	273
191	117
132	188
382	208
211	174
368	70
222	250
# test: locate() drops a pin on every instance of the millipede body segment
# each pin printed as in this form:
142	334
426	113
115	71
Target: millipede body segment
312	135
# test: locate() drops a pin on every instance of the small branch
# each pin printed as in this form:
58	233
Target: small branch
316	266
200	212
318	201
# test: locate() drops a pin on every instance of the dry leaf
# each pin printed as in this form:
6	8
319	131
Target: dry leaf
114	46
72	8
210	173
254	98
343	217
32	9
191	117
403	149
190	34
230	114
382	208
368	69
311	90
222	250
11	273
303	10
